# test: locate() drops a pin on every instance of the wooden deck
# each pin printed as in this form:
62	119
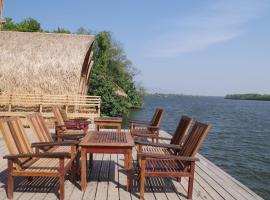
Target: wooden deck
108	180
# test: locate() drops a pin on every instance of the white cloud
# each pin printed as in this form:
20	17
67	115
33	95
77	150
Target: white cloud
218	22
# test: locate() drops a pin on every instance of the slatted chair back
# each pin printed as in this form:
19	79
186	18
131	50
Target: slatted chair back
38	125
63	114
15	137
57	114
195	139
181	130
157	117
154	116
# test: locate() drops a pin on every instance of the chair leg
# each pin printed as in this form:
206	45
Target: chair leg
73	172
142	179
78	167
191	179
62	187
10	181
62	180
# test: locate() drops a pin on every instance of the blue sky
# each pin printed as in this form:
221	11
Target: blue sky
188	47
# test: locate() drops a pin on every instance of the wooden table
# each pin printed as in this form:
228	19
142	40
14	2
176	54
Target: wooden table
108	122
111	142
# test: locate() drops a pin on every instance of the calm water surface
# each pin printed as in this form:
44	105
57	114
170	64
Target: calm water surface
239	140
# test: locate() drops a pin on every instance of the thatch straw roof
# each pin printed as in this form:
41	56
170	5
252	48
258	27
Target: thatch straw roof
119	91
49	63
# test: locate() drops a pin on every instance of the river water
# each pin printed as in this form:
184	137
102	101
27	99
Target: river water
239	140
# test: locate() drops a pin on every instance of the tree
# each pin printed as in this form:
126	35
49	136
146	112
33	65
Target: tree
111	67
27	25
8	25
83	31
61	30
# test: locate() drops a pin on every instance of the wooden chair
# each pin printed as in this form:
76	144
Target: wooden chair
138	128
180	165
74	124
22	161
178	139
61	130
43	135
179	135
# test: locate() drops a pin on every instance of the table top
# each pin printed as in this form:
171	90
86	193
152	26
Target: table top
107	139
108	119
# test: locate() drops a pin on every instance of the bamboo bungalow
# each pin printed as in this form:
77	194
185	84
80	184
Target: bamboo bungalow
38	70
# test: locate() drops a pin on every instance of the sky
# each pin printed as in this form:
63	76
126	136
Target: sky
209	47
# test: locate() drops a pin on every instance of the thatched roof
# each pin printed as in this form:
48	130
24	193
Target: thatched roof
49	63
119	91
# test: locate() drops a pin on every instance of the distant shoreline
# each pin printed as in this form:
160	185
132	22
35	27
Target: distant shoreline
178	95
255	97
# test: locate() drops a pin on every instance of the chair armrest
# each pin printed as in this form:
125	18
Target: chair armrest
78	122
38	155
147	156
169	146
146	126
79	119
46	144
138	122
63	134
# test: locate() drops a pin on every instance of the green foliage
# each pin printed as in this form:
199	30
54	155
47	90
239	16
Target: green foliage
262	97
82	31
8	25
112	69
61	30
27	25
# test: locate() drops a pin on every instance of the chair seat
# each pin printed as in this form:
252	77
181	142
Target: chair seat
158	150
142	131
165	166
76	125
44	165
61	149
72	132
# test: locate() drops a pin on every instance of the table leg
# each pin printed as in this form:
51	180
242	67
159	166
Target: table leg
90	161
129	170
125	161
83	169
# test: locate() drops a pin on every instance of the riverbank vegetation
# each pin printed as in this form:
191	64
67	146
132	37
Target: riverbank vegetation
258	97
112	75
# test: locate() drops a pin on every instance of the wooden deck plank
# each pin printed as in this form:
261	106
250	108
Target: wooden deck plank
113	185
102	187
122	178
220	182
93	176
228	179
